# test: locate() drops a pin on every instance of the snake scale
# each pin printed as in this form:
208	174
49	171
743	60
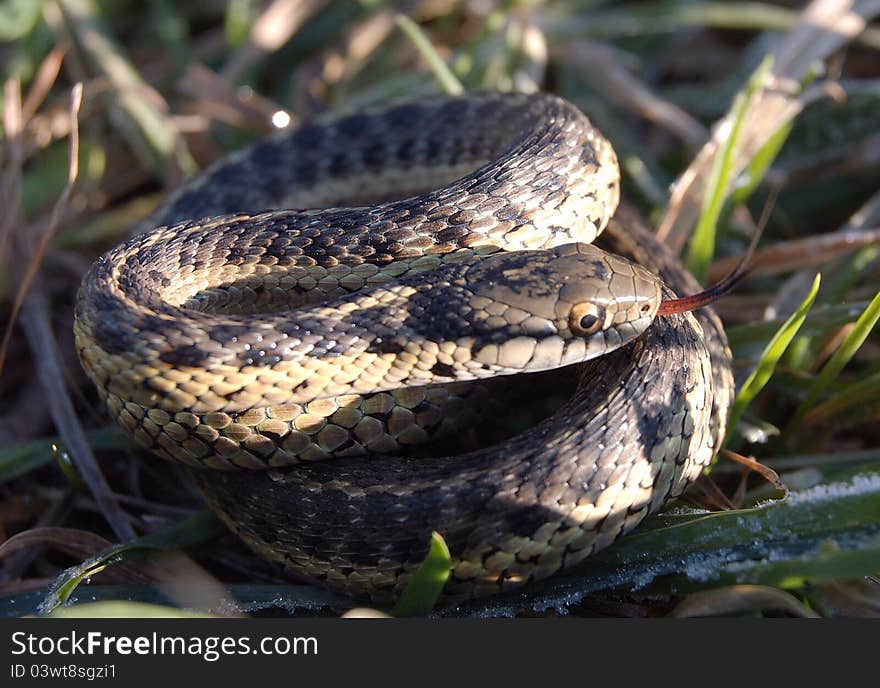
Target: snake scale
300	361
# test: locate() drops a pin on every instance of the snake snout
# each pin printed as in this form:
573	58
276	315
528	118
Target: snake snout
604	297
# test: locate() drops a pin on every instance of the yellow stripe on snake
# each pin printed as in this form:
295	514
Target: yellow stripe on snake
300	361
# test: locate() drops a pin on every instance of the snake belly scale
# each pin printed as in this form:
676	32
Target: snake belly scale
294	360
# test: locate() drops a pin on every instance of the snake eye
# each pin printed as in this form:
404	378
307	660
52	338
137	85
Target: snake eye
586	319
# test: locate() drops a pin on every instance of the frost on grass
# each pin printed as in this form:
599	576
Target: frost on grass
680	548
701	549
292	599
862	484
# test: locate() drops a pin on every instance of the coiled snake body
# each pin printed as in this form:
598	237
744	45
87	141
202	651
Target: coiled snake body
256	341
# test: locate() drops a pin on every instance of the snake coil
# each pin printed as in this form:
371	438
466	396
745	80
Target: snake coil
295	360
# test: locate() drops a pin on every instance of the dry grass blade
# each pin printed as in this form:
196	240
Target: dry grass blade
824	26
741	599
153	135
218	100
36	257
41	339
23	586
852	598
15	565
73	541
713	498
599	66
797	254
38	329
365	613
189	585
12	154
43	81
764	471
859	231
271	30
853	402
344	60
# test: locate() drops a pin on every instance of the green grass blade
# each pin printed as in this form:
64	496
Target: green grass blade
760	163
249	598
424	589
820	320
849	275
824	533
238	20
192	531
851	343
18	18
702	246
769	358
442	73
149	130
856	401
18	459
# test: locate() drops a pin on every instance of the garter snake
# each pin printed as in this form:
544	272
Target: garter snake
296	359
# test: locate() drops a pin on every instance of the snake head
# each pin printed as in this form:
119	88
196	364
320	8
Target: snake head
604	302
562	306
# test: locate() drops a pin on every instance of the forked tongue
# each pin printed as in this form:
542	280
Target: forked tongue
716	291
